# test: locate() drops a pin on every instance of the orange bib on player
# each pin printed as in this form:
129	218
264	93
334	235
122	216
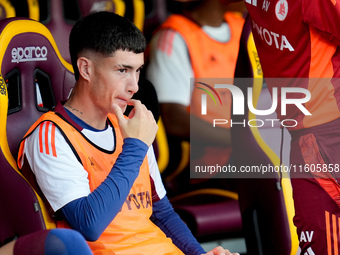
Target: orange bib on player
131	231
210	59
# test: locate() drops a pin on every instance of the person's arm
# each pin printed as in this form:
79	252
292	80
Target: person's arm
164	215
171	224
169	67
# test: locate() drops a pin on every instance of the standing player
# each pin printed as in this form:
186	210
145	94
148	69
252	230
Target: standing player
301	39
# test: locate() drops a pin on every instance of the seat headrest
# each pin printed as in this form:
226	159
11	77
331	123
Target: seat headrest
30	66
6	9
133	10
88	6
27	46
19	8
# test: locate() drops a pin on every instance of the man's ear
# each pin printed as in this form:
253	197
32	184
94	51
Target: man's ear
84	66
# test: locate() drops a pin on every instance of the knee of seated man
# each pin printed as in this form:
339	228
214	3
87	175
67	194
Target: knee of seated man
66	241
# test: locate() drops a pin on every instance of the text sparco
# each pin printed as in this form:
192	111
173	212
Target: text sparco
29	53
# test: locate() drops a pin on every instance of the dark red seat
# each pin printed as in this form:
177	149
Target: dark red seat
33	77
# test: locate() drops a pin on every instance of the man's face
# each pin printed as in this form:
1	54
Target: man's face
115	79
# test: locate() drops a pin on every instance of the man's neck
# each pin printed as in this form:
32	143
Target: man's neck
85	112
208	15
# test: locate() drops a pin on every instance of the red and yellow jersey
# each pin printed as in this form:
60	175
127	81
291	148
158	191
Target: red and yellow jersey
300	39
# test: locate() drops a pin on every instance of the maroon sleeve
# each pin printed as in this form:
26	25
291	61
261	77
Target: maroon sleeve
324	16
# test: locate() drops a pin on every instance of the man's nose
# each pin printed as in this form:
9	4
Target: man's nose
133	84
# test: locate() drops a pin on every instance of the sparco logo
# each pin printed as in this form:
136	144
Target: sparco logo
30	53
2	86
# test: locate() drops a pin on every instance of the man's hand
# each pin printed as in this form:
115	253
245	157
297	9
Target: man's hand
141	123
220	251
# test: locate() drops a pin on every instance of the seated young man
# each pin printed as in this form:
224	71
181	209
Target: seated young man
95	167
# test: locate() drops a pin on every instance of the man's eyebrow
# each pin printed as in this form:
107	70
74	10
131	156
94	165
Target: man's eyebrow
129	66
124	66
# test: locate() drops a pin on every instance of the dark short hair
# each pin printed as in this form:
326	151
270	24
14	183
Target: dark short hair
104	33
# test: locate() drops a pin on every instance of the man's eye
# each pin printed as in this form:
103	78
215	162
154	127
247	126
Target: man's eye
122	70
140	69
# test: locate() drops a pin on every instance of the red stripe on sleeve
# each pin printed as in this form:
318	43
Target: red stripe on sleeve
54	152
165	41
40	138
170	42
46	138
